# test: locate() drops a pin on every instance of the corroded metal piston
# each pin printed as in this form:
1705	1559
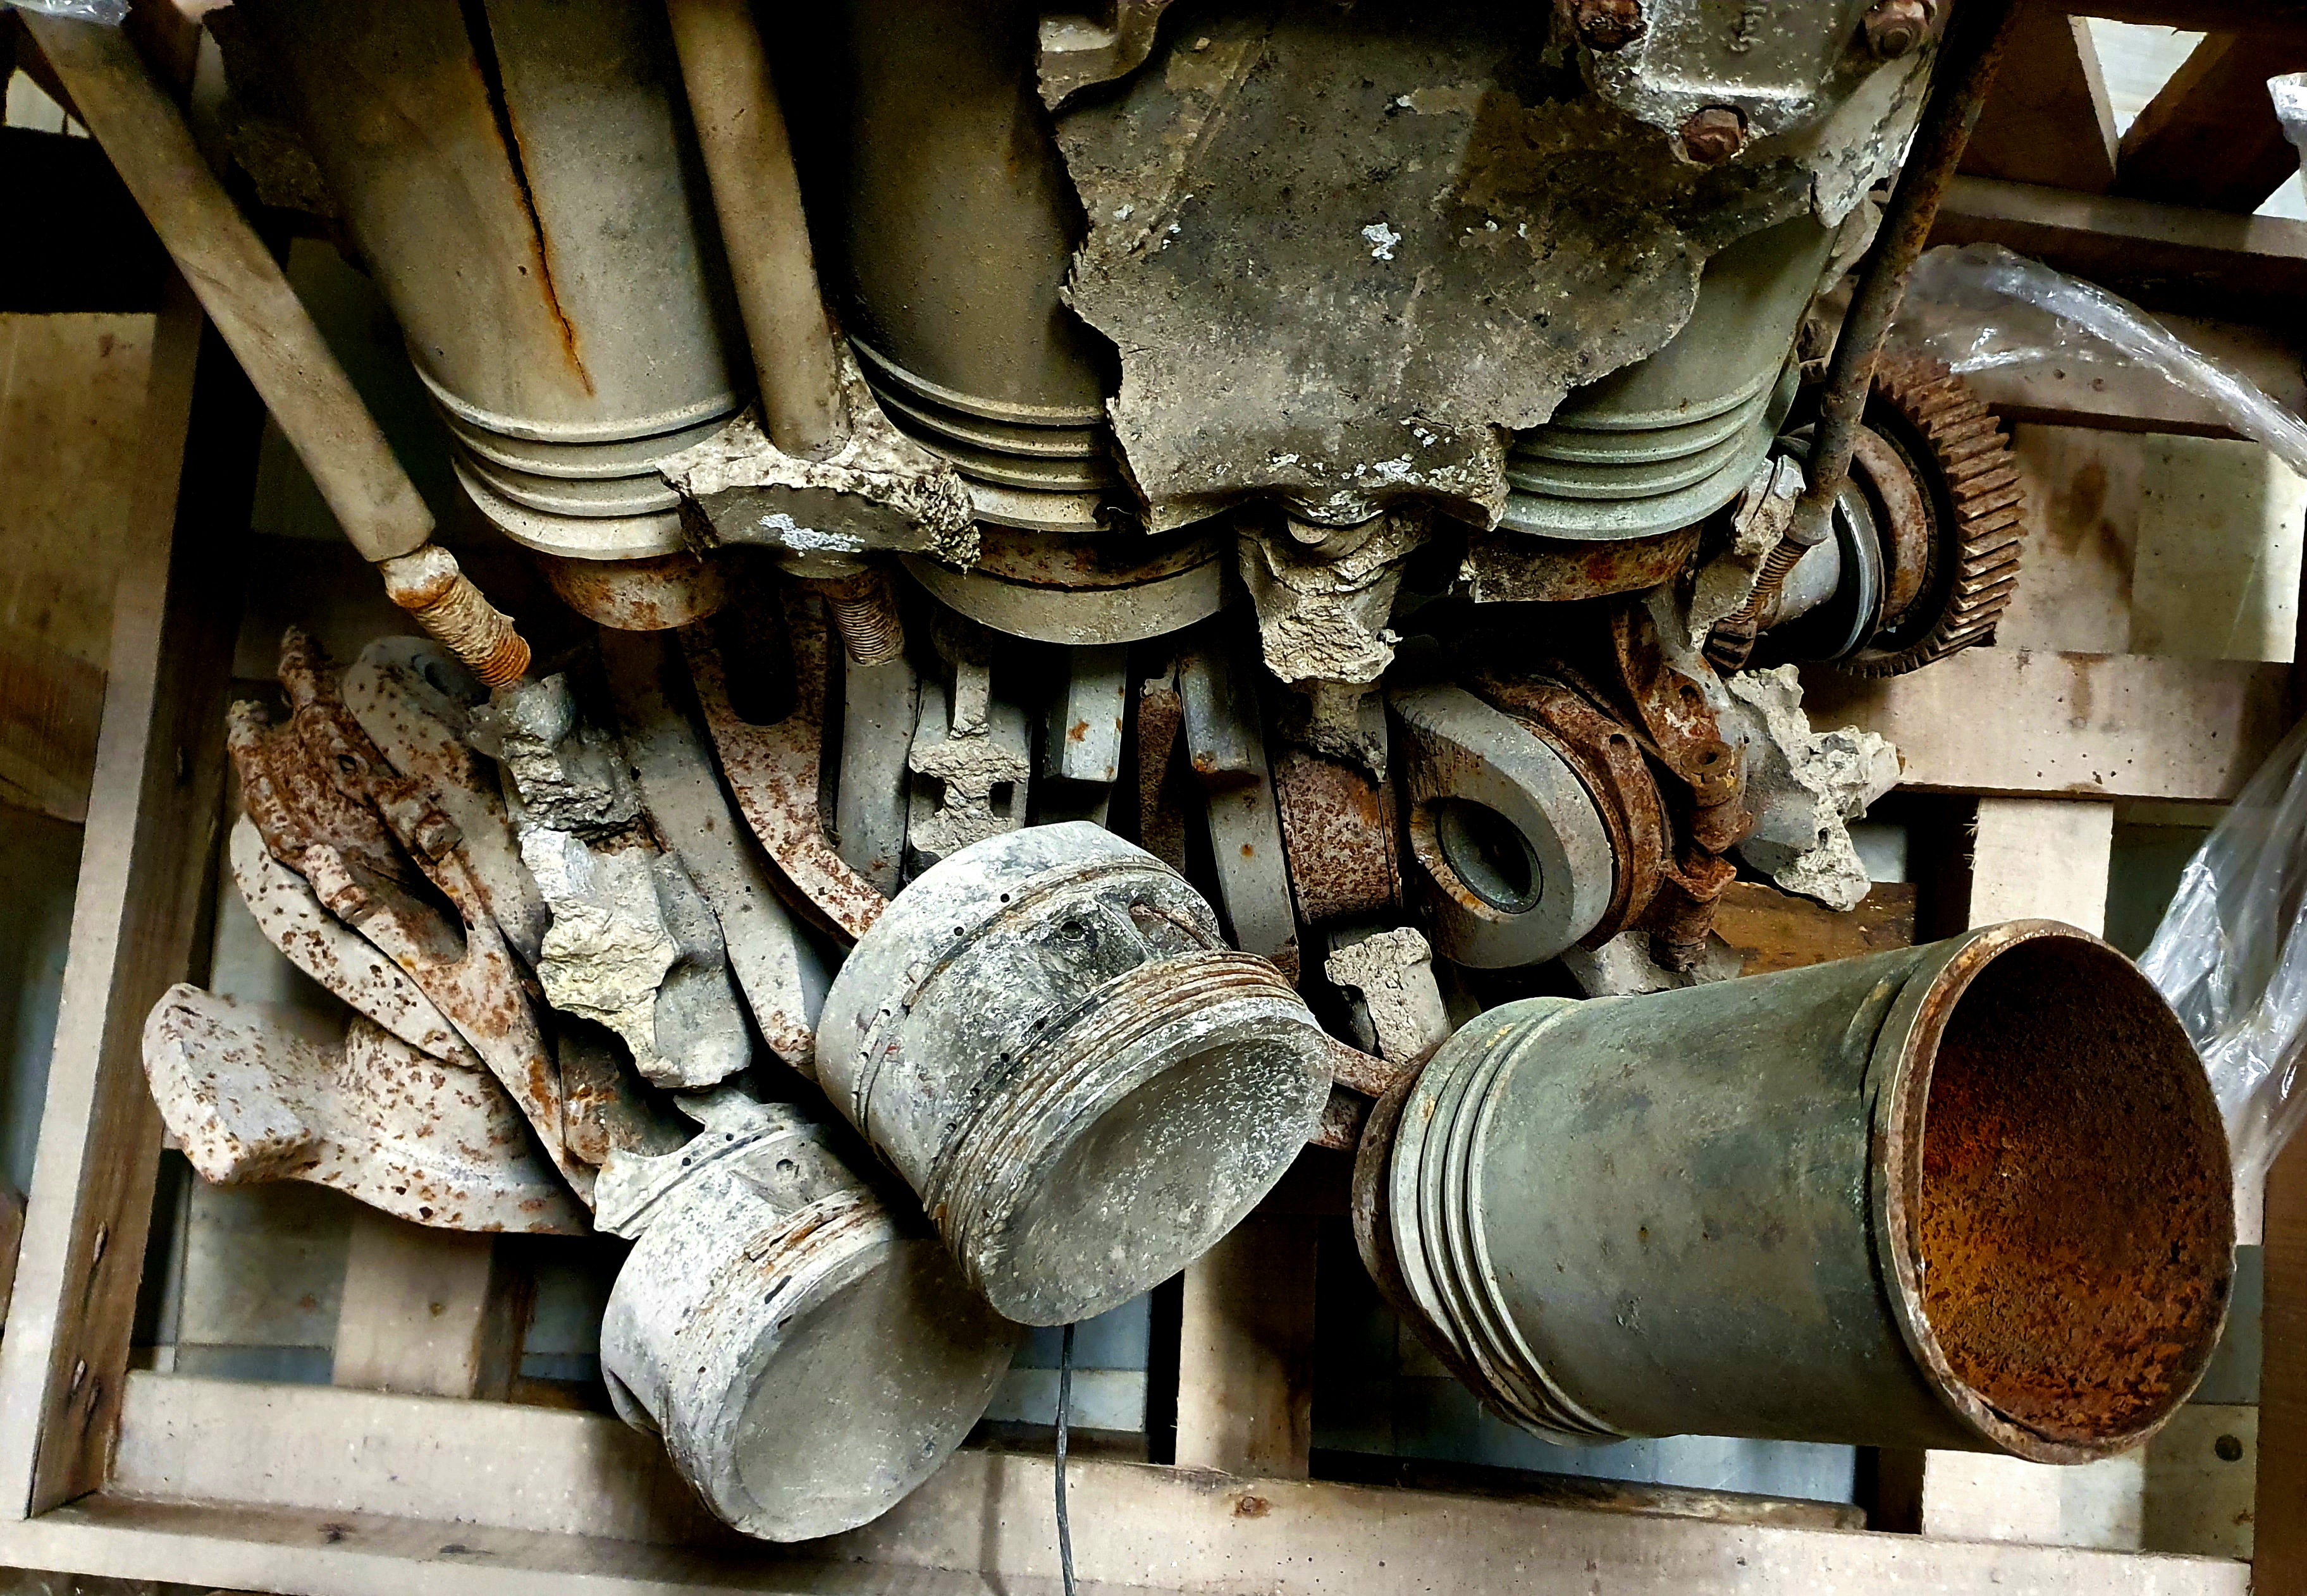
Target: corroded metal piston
1047	1035
808	1359
1973	1196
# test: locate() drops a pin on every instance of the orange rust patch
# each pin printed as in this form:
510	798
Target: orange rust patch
2076	1216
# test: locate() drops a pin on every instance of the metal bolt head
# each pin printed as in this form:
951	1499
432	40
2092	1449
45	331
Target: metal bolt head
1896	28
1609	24
1713	135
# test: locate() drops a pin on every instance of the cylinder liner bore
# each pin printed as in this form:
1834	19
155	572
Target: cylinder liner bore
1047	1036
808	1359
1969	1195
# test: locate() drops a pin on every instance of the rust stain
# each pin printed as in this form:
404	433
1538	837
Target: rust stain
484	53
2075	1211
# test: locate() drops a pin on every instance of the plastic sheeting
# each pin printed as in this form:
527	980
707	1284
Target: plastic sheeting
2231	956
1983	306
110	13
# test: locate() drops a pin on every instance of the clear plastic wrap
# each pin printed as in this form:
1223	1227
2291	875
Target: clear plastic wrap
1982	306
2231	956
110	13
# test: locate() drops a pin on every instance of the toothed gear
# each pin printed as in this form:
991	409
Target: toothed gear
1960	458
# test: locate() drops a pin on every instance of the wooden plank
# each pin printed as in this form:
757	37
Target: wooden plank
2041	858
11	1238
428	1312
2201	1477
151	840
1245	1351
2281	1521
2210	137
1776	930
2165	257
2048	119
2270	20
551	1490
338	1450
73	394
2025	723
51	709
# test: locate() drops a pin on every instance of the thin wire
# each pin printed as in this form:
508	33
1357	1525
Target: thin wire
1064	1406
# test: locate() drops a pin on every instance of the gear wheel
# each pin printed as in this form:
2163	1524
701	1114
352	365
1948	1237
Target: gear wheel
1958	455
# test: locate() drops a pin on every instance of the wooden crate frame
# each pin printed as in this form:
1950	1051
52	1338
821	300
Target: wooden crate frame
291	1487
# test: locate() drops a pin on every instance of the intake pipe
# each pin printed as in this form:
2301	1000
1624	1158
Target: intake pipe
1972	1195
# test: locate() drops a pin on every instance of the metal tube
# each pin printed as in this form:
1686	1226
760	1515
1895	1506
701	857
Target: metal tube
1969	60
1973	1195
239	285
1972	54
741	131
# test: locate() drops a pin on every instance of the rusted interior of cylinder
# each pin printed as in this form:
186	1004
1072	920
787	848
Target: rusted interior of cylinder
2076	1223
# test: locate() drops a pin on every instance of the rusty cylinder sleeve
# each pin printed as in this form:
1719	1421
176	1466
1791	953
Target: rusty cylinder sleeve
808	1358
956	227
1973	1195
1048	1038
520	179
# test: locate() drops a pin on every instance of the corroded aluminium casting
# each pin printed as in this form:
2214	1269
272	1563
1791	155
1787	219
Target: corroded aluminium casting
1085	592
250	1095
1973	1195
807	1353
1048	1038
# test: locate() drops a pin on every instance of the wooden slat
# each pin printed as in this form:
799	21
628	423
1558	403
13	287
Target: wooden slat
1245	1351
428	1312
2166	257
152	831
2281	1519
2210	137
51	709
2261	18
2025	722
278	1448
2048	119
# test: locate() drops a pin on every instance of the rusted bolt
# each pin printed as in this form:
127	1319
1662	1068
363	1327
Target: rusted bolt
865	614
1896	28
1609	24
1713	135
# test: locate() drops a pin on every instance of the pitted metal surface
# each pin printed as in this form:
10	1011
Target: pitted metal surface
773	767
808	1354
1048	1038
295	921
249	1096
1390	243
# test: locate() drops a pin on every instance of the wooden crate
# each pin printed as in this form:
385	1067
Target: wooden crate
293	1487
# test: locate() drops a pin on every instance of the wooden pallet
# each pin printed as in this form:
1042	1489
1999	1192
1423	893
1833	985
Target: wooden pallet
292	1488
